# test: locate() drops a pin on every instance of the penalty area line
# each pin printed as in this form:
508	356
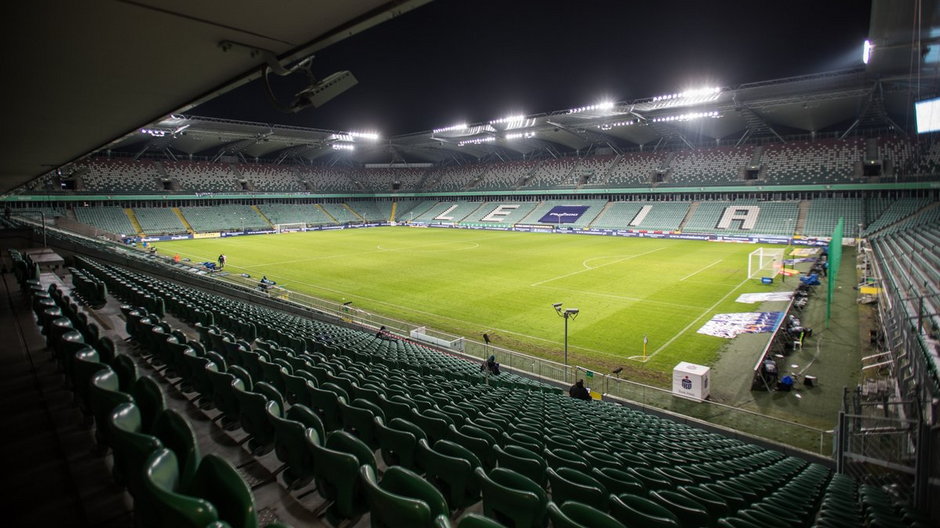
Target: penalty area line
701	270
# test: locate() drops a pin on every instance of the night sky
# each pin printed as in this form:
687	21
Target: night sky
454	61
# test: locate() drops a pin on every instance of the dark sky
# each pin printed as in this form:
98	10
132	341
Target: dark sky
471	61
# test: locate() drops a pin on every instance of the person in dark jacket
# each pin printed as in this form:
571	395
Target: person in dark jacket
579	391
491	366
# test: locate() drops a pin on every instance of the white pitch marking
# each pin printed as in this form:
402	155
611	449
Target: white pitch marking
680	332
596	267
701	270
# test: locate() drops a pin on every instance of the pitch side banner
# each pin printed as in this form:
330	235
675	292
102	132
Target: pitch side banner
563	214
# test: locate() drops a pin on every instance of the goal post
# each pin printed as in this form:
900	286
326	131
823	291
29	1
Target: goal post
764	262
289	228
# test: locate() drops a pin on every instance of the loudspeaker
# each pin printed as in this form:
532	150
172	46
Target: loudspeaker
486	339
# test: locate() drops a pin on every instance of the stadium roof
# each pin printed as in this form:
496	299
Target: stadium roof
78	75
123	74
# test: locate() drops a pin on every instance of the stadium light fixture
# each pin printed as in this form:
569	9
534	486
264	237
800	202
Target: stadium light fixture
608	126
452	128
604	105
507	119
371	136
519	135
687	117
153	132
568	313
867	49
343	146
477	141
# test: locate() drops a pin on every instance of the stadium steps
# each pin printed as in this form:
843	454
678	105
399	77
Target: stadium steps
353	211
134	222
325	213
802	216
262	215
391	216
688	215
186	224
600	214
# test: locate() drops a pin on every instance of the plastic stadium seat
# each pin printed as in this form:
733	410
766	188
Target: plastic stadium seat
253	416
125	368
560	457
689	511
512	498
397	447
481	448
452	475
326	404
223	395
358	419
716	506
84	366
131	446
523	461
576	515
166	504
104	396
651	479
569	484
403	498
633	510
149	398
176	434
290	446
475	520
336	470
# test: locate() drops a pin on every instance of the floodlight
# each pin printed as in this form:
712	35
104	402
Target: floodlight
452	128
373	136
867	50
572	311
343	146
556	306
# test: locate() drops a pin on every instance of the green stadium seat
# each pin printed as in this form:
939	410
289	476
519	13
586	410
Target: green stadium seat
452	475
397	447
104	396
150	400
569	484
689	511
576	515
131	446
402	498
336	471
176	434
633	510
512	498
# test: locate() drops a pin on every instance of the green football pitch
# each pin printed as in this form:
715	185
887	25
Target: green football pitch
470	282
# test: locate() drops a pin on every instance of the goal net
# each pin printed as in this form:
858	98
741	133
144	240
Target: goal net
764	262
289	228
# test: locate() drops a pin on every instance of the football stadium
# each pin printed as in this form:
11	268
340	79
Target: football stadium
711	306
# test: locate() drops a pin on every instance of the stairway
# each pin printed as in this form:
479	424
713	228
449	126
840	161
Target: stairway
185	222
391	217
600	214
801	217
688	215
134	222
353	211
326	213
262	215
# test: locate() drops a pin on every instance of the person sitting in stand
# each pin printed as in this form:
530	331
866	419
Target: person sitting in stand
491	366
578	391
770	370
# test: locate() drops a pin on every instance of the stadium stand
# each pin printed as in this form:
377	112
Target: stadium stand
110	219
713	166
158	220
635	169
448	212
372	211
552	173
662	216
594	208
499	214
895	211
202	176
773	218
223	218
273	178
309	214
115	176
824	214
341	213
823	161
453	177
